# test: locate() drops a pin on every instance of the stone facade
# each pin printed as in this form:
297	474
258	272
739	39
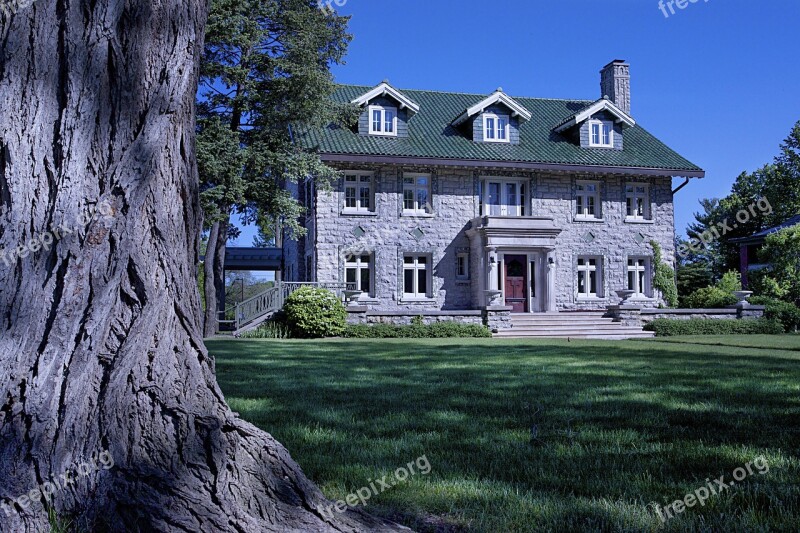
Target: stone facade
386	234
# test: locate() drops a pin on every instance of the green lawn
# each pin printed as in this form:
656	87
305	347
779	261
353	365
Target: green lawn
535	435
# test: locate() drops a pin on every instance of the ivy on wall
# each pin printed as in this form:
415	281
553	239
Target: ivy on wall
664	278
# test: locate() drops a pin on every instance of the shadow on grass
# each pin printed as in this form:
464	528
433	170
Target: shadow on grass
519	430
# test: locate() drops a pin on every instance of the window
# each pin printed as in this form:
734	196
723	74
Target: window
383	120
503	198
590	272
416	276
358	273
462	266
587	200
358	192
496	128
637	199
601	134
416	193
639	276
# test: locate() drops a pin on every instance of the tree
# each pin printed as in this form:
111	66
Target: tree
723	220
782	278
265	70
100	337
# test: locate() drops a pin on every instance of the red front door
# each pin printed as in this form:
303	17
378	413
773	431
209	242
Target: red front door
516	283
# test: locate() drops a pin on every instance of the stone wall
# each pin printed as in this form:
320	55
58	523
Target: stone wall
387	234
404	318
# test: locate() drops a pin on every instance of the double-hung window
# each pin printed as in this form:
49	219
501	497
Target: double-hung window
590	273
382	120
462	266
496	128
601	134
503	198
639	275
359	193
417	194
637	201
416	276
358	273
587	200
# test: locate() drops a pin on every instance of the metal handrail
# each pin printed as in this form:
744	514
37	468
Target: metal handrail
272	300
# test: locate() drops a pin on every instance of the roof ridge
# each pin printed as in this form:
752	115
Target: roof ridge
461	93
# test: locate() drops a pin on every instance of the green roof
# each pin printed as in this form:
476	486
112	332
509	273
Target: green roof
431	135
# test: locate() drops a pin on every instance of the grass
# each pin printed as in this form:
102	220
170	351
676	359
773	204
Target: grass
535	435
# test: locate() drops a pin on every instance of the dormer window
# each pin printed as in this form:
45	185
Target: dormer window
383	120
496	128
601	134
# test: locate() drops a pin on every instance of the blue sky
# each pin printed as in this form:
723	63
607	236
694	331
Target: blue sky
718	81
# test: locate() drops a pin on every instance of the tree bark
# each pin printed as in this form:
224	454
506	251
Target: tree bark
100	334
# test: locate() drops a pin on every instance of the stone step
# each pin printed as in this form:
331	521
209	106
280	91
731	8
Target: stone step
579	325
573	327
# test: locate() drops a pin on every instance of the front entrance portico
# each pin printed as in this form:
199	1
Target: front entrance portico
516	259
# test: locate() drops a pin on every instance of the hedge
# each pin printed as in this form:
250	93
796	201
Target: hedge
665	327
786	313
416	331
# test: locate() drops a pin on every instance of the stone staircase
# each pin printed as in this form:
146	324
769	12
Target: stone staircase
580	325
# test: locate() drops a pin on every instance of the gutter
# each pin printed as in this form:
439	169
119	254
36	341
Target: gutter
403	160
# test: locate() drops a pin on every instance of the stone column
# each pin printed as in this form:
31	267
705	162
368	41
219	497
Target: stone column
550	305
491	268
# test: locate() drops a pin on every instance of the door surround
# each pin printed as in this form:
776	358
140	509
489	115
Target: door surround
536	277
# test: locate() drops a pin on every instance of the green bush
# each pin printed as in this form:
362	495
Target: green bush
665	327
417	330
315	313
268	330
709	298
718	296
784	312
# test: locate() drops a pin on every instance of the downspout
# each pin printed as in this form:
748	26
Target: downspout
682	185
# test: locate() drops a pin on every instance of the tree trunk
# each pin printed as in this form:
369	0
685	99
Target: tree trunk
100	335
210	322
219	262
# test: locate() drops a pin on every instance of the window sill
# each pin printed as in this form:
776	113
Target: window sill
589	219
418	301
353	213
387	135
639	221
590	299
414	214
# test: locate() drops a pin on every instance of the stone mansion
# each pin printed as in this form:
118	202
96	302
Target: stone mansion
451	201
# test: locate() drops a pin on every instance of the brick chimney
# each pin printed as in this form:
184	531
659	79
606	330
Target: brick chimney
615	83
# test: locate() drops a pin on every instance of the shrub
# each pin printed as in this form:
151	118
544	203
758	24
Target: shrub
709	298
268	330
718	296
664	278
665	327
784	312
313	313
417	331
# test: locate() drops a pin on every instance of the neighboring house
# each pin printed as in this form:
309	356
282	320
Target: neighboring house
446	197
749	247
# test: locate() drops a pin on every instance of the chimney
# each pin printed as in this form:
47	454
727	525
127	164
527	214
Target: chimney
615	83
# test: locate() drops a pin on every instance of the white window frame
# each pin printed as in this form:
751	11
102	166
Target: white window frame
416	267
363	180
356	262
631	197
602	141
496	129
584	271
415	187
462	260
582	200
383	111
643	281
506	209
